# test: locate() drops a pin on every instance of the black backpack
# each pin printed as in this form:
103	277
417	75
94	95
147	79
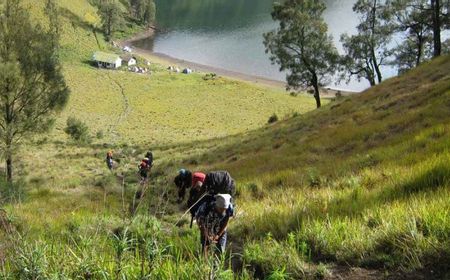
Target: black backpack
149	155
183	180
220	182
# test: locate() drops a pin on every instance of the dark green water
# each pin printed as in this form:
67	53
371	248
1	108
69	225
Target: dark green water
228	33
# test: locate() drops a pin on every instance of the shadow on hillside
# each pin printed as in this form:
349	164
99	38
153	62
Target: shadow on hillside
78	22
89	62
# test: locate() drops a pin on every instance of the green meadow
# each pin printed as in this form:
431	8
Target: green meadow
361	185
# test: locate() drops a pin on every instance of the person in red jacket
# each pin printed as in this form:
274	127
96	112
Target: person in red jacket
198	178
185	179
144	169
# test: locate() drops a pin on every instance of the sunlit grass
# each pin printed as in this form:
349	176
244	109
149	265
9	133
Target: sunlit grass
363	181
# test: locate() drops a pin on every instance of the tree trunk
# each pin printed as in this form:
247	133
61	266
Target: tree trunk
370	76
419	50
9	168
316	90
372	43
8	155
376	66
436	9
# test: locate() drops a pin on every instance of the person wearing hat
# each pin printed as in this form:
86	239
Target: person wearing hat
184	180
212	218
144	169
109	160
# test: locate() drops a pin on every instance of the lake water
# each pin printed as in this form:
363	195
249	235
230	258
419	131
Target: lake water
228	34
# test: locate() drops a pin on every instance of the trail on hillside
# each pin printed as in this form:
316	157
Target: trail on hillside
112	129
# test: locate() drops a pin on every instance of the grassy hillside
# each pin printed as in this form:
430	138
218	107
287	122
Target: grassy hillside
362	182
155	109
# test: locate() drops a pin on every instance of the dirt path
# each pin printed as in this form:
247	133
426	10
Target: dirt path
112	129
167	60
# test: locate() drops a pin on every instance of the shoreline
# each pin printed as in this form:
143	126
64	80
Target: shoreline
168	60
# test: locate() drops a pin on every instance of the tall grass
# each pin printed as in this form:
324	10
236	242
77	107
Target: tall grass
363	181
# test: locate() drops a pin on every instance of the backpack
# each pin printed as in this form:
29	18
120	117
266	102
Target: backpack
183	179
208	204
143	165
220	182
149	155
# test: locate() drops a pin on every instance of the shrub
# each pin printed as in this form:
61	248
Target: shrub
271	259
210	76
77	130
100	134
273	118
31	262
321	271
256	190
314	179
12	192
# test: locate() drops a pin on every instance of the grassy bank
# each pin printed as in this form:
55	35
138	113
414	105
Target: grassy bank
362	182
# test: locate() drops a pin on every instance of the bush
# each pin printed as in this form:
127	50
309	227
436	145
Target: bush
256	190
210	76
271	259
12	192
273	118
77	130
100	134
314	179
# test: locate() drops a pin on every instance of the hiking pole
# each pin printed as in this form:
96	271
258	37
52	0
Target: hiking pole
205	194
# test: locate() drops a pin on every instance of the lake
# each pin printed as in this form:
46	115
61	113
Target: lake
228	34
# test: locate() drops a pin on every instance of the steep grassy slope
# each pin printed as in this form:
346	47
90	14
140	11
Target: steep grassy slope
364	181
383	123
67	216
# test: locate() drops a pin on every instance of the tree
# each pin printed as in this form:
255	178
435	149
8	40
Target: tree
149	12
421	23
436	12
413	23
368	50
144	11
440	20
111	16
32	87
301	45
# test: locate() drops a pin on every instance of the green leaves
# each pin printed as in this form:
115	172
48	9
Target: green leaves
369	49
111	14
32	87
78	130
301	45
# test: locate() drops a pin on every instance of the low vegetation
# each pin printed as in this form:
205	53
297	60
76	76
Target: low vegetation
77	130
363	181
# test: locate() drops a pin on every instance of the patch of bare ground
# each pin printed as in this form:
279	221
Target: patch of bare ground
357	273
354	273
